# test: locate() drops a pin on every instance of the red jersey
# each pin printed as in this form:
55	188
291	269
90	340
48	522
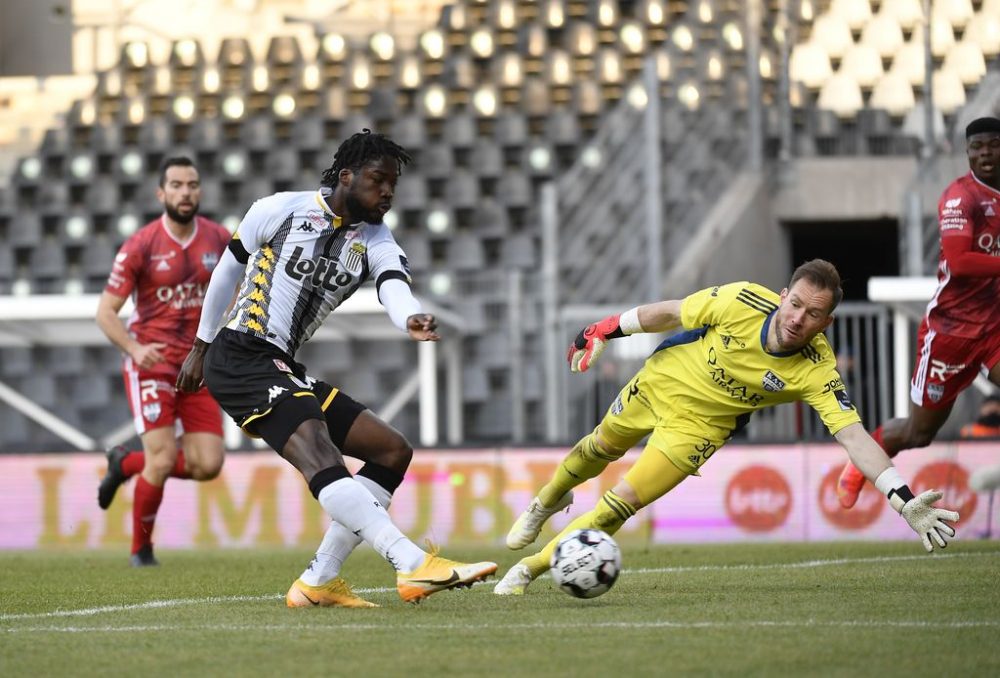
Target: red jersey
167	279
967	302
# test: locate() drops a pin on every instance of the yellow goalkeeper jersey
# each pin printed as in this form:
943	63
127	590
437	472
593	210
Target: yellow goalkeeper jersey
718	371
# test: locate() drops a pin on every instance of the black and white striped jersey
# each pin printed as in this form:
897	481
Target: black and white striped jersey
302	263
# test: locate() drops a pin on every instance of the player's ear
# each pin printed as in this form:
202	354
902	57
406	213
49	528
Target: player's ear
345	177
161	195
827	322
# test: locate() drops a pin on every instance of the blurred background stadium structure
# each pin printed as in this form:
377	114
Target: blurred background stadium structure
572	156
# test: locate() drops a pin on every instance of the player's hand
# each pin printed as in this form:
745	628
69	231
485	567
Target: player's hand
191	376
928	521
422	327
591	342
147	355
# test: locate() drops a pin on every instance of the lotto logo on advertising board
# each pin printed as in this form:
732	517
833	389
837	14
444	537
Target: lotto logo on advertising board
864	513
758	499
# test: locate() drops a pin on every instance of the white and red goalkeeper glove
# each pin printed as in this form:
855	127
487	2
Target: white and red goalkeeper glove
919	512
592	340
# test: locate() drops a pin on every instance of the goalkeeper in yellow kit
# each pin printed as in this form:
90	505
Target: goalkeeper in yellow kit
744	348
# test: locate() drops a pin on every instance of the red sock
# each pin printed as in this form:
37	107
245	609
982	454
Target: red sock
145	504
134	462
180	469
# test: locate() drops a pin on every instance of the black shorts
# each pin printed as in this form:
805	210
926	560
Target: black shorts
268	394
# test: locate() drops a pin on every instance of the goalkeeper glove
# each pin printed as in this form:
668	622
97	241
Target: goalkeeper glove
919	512
592	340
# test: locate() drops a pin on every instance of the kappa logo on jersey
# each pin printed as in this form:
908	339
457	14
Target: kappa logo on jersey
772	382
274	392
954	202
843	400
209	260
321	272
306	227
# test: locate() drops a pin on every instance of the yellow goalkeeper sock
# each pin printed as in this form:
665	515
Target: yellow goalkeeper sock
585	461
609	515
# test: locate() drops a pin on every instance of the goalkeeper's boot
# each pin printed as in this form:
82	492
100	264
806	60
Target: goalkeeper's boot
514	582
334	593
529	524
849	485
143	557
438	574
114	477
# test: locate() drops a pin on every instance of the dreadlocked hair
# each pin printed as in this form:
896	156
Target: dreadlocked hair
361	148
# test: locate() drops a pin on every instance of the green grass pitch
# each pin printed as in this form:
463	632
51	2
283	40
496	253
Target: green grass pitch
841	609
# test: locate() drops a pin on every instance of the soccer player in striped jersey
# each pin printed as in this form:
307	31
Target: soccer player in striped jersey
300	255
959	336
744	348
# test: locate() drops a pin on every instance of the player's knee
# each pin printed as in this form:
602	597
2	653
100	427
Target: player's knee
160	463
209	468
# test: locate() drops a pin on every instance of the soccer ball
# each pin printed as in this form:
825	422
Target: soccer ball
586	563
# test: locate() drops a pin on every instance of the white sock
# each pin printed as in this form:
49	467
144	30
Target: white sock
351	504
338	542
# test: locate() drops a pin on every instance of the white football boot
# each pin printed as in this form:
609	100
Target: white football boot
529	524
514	582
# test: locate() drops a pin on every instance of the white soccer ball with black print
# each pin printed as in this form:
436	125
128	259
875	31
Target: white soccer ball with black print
586	563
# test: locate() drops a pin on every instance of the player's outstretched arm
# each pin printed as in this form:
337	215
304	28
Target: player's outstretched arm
592	340
920	512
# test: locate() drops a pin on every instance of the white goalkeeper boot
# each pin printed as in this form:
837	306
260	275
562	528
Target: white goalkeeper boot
514	582
529	524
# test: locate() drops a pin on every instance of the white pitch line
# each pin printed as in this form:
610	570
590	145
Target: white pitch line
656	624
179	602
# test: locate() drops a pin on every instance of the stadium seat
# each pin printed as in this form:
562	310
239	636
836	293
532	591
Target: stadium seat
984	31
491	217
908	13
409	132
383	106
965	59
155	135
855	12
207	134
475	387
307	132
71	361
25	229
487	159
810	65
48	260
417	250
465	253
909	63
832	34
514	190
894	94
462	190
511	130
883	33
519	251
863	64
949	93
258	133
436	161
958	13
40	388
875	125
98	257
411	192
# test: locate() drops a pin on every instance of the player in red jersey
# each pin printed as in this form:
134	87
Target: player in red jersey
960	333
165	267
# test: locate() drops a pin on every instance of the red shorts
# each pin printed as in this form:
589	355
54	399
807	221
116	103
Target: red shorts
947	365
155	403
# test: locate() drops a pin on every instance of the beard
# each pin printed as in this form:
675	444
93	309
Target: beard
177	216
358	212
